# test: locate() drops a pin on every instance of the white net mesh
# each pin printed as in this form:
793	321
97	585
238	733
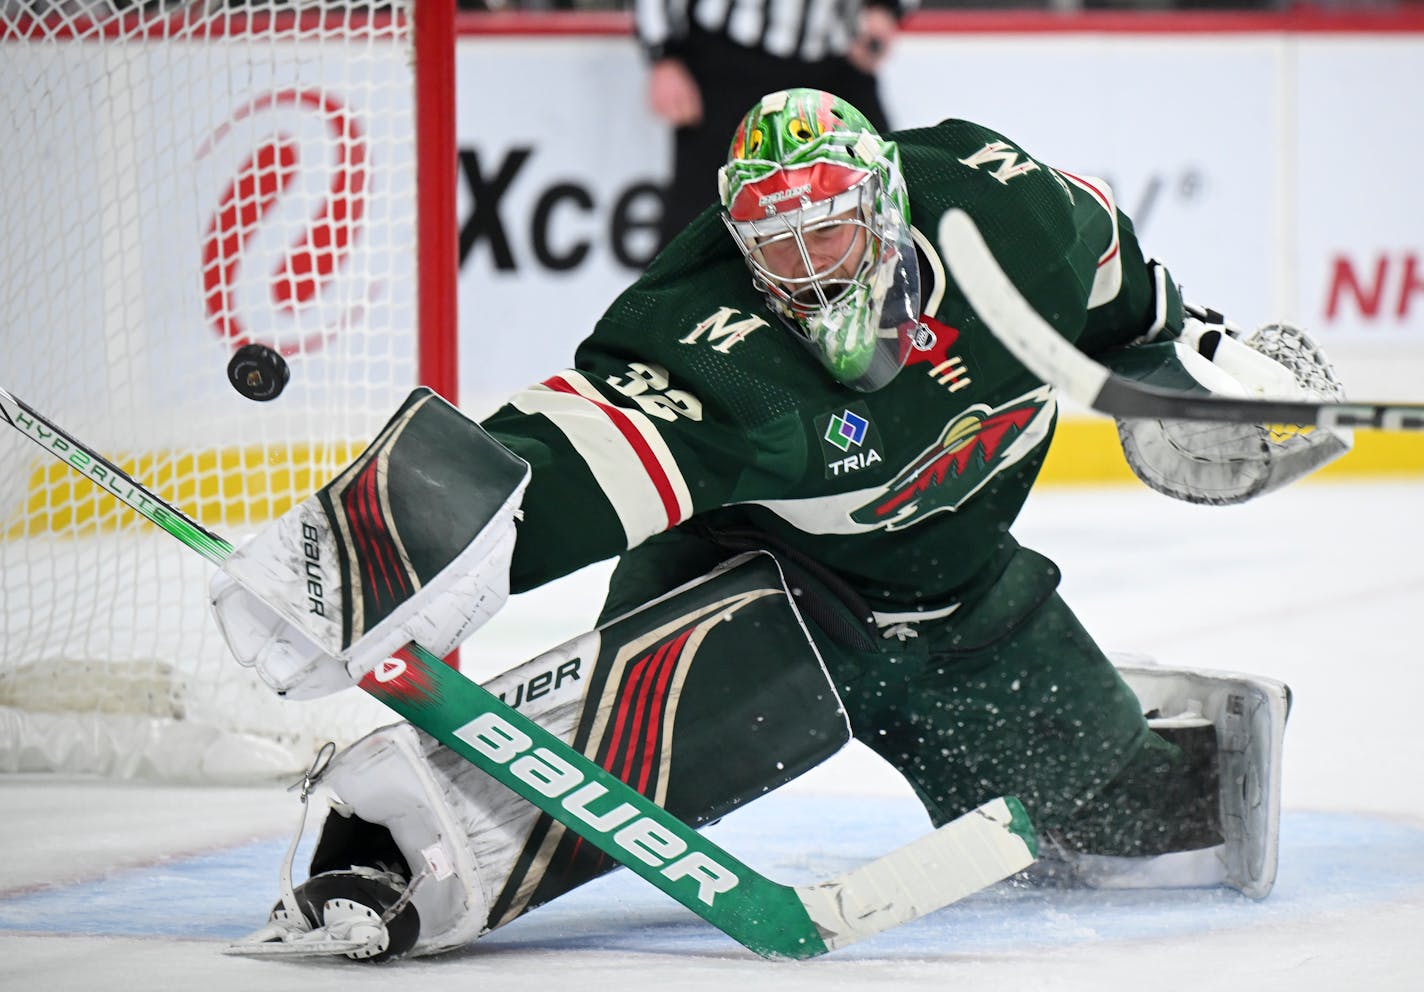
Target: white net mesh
182	179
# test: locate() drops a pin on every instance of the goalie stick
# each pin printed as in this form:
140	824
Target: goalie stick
774	920
1055	360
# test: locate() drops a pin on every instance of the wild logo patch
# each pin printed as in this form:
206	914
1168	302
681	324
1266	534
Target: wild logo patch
849	440
974	447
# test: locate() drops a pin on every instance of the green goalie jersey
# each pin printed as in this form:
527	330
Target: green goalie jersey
692	399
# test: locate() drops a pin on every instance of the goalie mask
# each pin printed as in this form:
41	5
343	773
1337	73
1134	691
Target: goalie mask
816	202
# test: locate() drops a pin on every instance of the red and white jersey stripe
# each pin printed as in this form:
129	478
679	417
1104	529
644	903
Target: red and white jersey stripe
1107	283
622	448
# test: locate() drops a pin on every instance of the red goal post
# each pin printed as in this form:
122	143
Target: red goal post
184	179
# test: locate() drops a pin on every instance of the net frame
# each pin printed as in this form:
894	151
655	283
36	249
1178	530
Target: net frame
109	660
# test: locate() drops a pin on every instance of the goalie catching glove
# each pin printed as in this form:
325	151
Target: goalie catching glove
411	542
1221	463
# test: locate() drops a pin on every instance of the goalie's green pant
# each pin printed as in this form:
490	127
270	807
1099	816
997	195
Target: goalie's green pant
1007	694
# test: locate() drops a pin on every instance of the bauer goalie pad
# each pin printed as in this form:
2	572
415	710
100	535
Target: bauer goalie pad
1248	714
703	700
411	542
1243	718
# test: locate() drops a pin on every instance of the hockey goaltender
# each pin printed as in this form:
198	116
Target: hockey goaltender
809	478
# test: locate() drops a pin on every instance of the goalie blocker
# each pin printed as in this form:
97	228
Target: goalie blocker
411	542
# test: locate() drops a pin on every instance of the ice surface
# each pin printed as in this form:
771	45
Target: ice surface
112	885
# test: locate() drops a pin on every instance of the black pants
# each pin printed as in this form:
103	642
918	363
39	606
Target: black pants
732	79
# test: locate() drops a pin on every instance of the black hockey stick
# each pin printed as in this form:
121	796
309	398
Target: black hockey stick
1051	357
962	857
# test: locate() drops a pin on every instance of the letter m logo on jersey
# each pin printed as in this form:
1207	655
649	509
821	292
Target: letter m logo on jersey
1003	155
724	329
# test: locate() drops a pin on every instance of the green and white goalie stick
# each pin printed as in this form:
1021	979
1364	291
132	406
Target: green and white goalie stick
980	848
1054	359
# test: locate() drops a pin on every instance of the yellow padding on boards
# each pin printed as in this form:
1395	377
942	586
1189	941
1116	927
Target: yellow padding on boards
223	488
1086	452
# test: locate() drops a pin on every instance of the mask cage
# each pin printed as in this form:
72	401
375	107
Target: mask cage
809	288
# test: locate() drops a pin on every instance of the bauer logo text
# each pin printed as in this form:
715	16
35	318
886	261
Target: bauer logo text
311	554
648	836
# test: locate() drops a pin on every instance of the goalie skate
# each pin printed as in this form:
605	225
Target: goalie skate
362	915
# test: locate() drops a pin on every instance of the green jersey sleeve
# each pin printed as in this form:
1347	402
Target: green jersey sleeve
683	399
1058	236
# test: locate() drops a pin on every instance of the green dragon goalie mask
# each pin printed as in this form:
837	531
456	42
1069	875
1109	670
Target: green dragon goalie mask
815	199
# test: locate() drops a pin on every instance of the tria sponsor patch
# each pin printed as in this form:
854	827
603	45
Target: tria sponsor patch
849	441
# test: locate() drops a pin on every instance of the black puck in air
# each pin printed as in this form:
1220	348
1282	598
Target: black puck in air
258	372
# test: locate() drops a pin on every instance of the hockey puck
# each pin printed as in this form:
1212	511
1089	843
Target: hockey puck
258	372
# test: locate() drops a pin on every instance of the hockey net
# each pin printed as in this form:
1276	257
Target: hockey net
181	179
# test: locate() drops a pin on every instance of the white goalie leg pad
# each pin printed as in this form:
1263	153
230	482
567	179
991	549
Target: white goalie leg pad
386	779
1224	463
673	695
1248	714
448	817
